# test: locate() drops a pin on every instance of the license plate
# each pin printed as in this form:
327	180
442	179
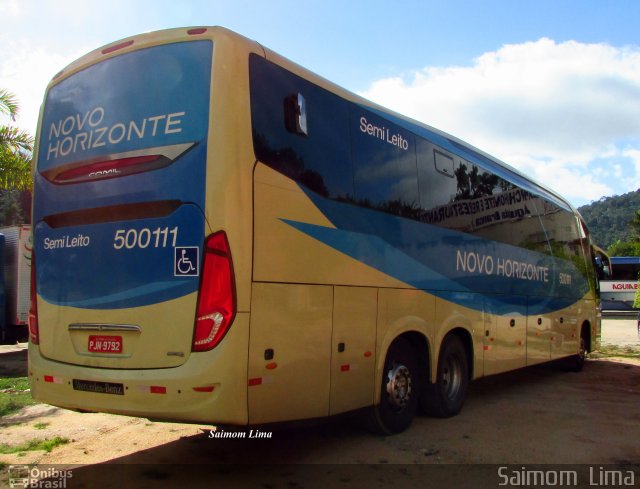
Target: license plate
98	387
105	344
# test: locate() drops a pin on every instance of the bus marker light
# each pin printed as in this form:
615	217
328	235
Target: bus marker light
205	388
157	389
53	380
122	45
255	381
193	32
345	368
367	354
271	366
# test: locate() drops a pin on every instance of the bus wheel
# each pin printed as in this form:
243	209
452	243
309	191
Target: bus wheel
400	390
576	362
446	397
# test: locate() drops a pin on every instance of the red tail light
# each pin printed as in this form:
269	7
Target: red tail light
34	333
117	164
121	167
216	302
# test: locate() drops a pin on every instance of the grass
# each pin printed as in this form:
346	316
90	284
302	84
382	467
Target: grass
616	351
14	395
31	445
40	426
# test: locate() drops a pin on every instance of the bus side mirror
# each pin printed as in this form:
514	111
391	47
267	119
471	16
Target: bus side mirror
603	269
600	268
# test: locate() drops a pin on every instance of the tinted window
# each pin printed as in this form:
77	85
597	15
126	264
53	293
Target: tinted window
384	161
320	160
457	194
345	152
562	231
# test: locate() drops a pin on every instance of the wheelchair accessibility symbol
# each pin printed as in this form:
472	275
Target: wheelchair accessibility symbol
186	261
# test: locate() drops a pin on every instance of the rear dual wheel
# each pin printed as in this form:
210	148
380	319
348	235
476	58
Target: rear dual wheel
446	396
404	388
400	390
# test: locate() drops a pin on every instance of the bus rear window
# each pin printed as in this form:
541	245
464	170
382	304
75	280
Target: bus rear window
151	98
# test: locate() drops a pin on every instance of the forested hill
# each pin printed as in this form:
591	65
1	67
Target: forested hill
608	218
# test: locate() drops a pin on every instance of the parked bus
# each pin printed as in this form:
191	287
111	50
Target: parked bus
619	289
222	236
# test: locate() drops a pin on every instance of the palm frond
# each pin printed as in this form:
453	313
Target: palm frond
8	104
16	139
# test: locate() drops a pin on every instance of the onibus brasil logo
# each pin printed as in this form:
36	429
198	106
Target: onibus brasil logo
41	477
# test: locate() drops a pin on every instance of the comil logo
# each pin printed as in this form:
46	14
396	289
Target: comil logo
40	477
104	173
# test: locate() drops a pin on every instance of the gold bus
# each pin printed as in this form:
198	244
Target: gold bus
222	236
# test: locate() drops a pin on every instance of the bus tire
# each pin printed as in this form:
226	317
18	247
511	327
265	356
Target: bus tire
400	390
446	396
576	362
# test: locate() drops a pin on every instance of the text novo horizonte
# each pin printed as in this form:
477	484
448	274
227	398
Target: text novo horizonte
88	130
472	262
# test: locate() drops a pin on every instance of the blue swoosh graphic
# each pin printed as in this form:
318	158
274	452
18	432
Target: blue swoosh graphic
425	257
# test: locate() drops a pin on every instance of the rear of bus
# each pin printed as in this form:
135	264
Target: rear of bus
134	305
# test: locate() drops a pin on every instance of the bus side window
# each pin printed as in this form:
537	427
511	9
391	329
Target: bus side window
305	137
384	161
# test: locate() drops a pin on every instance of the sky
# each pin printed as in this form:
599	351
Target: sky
551	87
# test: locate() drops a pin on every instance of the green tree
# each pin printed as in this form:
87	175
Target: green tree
636	301
624	248
635	226
16	147
608	218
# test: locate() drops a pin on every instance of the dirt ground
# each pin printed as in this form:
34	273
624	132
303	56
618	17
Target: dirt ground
539	415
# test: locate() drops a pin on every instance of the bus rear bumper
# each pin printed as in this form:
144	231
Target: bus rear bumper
210	387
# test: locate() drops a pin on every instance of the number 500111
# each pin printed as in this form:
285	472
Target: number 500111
145	238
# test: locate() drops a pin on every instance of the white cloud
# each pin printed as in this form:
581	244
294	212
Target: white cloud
12	8
25	70
547	108
634	156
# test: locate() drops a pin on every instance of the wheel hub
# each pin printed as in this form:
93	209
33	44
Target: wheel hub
399	386
451	378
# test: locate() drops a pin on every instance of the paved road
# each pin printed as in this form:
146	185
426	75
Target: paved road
620	331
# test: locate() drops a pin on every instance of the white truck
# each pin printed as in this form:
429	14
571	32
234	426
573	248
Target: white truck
15	282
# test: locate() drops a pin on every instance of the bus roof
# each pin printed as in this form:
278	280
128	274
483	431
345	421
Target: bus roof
451	143
625	260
